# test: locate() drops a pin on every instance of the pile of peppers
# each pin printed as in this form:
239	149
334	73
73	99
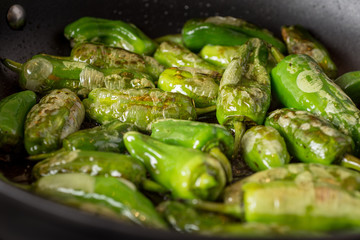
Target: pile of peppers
222	129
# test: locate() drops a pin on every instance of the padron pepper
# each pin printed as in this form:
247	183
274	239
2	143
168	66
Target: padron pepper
187	173
114	33
175	38
57	115
171	54
211	138
264	148
103	56
13	111
227	31
139	106
245	91
312	139
199	85
108	196
350	84
300	83
299	41
43	73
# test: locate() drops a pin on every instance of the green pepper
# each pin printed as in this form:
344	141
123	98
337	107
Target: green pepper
245	91
187	173
103	56
112	197
350	84
140	107
228	31
300	83
171	54
113	33
13	111
211	138
195	83
264	148
43	73
175	38
300	41
57	115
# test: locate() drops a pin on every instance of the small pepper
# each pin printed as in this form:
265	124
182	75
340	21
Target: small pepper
13	111
57	115
187	173
195	83
350	84
300	41
113	33
108	196
175	38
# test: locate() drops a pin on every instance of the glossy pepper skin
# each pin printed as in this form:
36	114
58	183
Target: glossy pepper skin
103	56
187	173
140	107
350	84
300	83
171	54
264	148
299	41
57	115
43	73
13	111
211	138
227	31
94	163
113	33
199	85
108	196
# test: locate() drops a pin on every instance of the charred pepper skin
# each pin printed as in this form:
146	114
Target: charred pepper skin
300	83
299	41
187	173
227	31
264	148
112	197
13	111
140	107
113	33
195	83
57	115
350	84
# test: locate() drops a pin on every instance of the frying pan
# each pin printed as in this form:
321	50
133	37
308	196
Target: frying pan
26	216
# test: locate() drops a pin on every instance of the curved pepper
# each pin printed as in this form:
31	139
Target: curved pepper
264	148
300	83
57	115
350	84
140	107
13	111
114	33
108	196
187	173
195	83
300	41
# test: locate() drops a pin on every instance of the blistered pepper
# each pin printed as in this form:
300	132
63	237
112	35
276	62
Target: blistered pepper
350	84
114	33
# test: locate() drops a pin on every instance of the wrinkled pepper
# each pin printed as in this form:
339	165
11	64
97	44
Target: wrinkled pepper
227	31
112	197
57	115
245	91
211	138
300	83
264	148
113	33
187	173
350	84
299	41
195	83
140	107
13	111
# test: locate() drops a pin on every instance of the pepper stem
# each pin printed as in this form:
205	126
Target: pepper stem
239	128
151	186
350	161
12	65
42	156
277	54
220	156
233	210
201	111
